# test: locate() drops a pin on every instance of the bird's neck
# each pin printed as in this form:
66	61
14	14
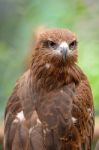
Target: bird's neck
48	77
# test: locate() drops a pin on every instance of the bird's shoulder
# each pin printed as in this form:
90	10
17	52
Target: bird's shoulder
14	103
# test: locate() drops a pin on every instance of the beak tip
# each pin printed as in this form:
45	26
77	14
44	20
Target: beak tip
64	53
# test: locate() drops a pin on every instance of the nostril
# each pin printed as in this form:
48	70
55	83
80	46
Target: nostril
63	50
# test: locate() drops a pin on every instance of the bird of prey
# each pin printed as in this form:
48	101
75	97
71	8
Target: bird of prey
51	106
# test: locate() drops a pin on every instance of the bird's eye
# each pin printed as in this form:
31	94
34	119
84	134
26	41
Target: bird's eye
52	44
73	45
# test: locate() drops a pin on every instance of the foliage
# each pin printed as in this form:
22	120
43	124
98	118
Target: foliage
19	18
0	147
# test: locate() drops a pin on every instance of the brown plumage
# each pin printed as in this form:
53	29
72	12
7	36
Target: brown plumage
51	107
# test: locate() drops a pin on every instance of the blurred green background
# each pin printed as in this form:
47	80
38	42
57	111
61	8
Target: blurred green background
18	18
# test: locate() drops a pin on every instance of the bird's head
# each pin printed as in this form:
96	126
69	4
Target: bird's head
56	46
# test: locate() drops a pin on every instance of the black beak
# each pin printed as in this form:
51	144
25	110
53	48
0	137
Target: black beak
64	53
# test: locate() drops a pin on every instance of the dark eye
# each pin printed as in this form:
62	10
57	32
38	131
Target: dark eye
50	44
73	45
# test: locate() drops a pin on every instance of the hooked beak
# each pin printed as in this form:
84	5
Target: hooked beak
63	50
